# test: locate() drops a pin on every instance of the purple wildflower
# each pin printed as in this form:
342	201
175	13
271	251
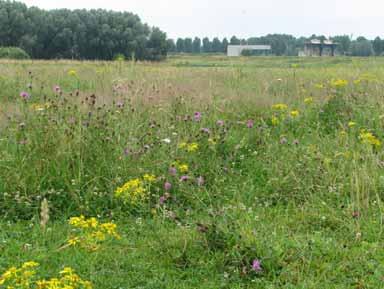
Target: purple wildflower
184	178
250	123
57	89
220	122
256	265
172	171
167	186
197	116
205	130
162	200
25	95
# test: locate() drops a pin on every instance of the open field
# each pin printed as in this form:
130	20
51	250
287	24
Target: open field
218	173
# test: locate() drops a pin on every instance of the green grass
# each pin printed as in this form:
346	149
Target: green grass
303	196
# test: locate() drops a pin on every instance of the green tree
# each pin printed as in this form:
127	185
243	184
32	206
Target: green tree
234	41
188	47
343	43
180	45
361	47
171	46
216	45
207	45
224	45
196	45
378	46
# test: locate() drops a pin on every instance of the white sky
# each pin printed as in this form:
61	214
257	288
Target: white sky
245	18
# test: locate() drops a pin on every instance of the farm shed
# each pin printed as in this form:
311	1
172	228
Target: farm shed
236	50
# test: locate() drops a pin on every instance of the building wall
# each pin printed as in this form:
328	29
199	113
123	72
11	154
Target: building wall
235	50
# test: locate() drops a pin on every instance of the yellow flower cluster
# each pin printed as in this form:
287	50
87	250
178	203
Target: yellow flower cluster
275	121
40	107
308	100
189	147
135	190
90	233
181	167
280	106
295	113
339	83
72	72
368	138
25	278
19	277
68	280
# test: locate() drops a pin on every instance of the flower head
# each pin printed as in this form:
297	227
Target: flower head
167	186
57	89
256	265
250	123
197	116
25	95
184	178
275	121
280	106
295	113
220	122
72	72
308	100
172	171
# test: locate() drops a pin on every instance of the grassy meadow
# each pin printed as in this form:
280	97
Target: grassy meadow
197	172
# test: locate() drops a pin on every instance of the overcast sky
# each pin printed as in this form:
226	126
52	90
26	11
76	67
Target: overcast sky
245	18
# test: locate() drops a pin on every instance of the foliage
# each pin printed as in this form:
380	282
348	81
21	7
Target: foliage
264	173
13	53
78	34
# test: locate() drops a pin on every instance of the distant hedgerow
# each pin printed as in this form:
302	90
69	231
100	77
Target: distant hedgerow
13	53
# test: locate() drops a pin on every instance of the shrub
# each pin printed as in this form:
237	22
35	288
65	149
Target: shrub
13	53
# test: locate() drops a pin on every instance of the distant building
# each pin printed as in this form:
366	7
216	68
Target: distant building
317	47
236	50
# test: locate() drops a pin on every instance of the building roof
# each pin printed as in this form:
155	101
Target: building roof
318	42
250	47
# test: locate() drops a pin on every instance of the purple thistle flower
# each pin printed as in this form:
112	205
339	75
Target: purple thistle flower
250	123
220	122
256	265
162	200
205	130
57	89
200	181
167	186
25	95
172	171
197	116
184	178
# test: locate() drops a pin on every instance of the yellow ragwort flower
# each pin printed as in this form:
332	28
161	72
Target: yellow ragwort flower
295	113
308	100
275	121
280	106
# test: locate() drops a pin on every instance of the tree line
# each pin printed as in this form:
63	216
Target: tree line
281	44
79	34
